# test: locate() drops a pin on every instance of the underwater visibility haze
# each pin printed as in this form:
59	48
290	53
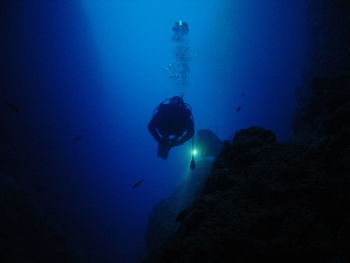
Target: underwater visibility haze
81	79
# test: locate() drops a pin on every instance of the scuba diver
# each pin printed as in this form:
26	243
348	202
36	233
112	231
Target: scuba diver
172	121
180	31
179	70
171	124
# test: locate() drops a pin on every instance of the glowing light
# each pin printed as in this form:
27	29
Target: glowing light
180	23
194	152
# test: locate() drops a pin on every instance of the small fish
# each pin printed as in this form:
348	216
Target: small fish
137	184
77	138
238	108
182	215
13	107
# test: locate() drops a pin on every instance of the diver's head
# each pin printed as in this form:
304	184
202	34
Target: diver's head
176	100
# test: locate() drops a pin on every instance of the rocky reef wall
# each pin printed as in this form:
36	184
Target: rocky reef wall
266	200
280	202
166	216
329	32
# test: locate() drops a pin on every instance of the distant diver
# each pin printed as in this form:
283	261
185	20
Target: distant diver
179	70
180	31
171	125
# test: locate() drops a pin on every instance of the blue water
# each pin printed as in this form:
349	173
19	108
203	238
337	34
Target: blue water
97	69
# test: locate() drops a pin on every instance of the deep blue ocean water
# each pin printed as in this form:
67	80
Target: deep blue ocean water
97	69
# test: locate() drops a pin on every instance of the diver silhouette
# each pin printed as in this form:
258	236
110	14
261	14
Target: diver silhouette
171	124
180	31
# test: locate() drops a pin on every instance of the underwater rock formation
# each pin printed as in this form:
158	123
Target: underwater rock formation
167	214
266	200
327	115
330	38
24	234
280	202
329	41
